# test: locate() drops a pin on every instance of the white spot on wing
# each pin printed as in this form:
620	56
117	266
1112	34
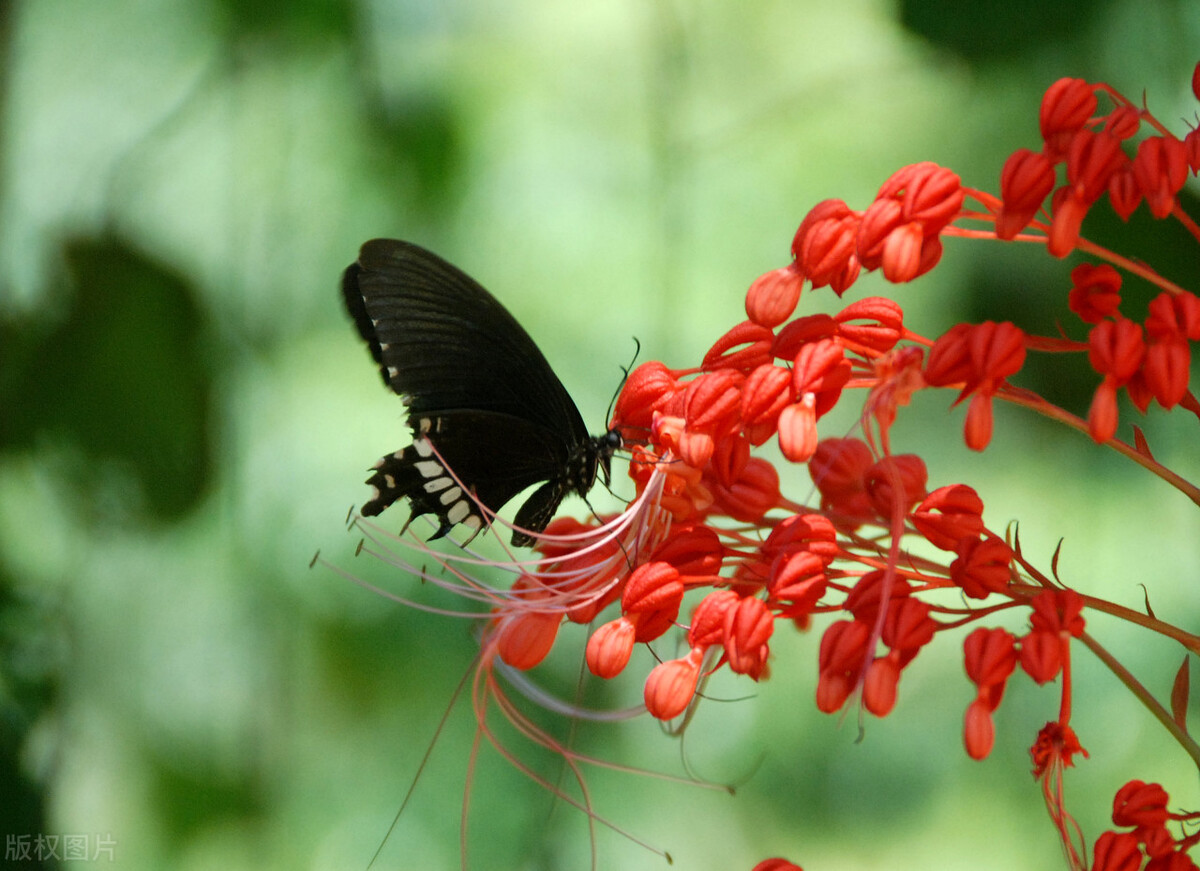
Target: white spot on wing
458	511
423	447
429	468
450	495
437	484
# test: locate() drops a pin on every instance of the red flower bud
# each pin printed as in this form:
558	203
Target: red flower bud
757	339
839	467
1124	193
870	326
1166	371
825	243
1058	611
708	619
1123	122
813	533
1117	852
765	393
1161	168
798	430
798	578
1091	161
843	646
908	626
753	494
1041	655
1140	804
1095	292
800	332
748	628
694	550
646	390
948	514
901	476
983	567
979	732
653	586
880	686
1066	107
1174	316
990	655
930	195
1025	182
1116	349
1069	208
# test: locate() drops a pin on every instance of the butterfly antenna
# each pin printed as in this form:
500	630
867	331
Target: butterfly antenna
625	370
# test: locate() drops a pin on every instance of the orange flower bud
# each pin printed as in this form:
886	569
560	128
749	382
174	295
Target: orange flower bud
524	639
772	297
670	687
798	430
609	648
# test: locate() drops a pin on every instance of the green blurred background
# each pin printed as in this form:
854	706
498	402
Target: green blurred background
186	415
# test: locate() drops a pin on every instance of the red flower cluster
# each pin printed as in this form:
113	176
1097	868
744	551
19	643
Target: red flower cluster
1142	809
1090	146
713	526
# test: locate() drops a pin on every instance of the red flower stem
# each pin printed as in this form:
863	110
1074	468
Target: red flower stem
1189	642
1030	400
1131	266
1064	708
1184	218
1134	685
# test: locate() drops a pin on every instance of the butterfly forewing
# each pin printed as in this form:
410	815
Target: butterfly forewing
444	342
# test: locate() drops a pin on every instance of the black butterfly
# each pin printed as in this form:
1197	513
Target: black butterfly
478	391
